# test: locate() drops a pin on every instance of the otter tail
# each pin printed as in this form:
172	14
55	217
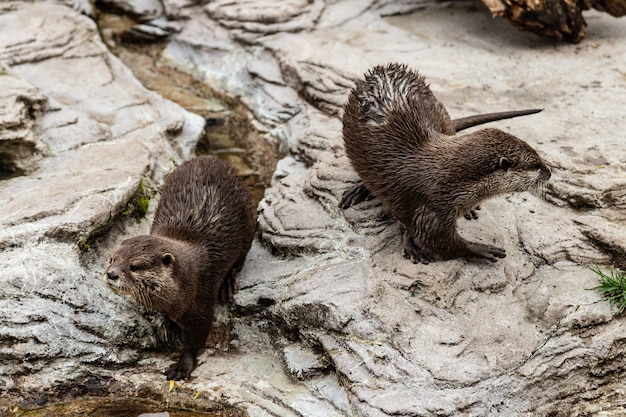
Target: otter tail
466	122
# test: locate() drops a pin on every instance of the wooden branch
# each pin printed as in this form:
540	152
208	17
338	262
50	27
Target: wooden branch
556	19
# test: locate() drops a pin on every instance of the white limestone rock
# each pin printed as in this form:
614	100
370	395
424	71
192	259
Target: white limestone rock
99	135
522	336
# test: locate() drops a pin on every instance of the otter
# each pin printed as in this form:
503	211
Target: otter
202	230
403	145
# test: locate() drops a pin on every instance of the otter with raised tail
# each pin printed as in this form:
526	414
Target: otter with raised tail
202	231
404	147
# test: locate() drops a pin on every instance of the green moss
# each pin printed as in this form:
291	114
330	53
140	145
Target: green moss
85	242
612	287
84	245
143	202
138	206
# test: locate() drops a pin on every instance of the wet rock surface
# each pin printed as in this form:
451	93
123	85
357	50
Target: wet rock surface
330	319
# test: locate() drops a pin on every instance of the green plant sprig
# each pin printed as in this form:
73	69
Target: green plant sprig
612	287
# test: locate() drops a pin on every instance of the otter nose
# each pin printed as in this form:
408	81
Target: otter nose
546	174
112	276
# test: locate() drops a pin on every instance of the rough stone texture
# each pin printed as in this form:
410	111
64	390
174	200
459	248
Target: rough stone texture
20	148
97	135
330	319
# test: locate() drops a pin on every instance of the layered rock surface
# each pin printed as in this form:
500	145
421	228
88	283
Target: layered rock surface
330	319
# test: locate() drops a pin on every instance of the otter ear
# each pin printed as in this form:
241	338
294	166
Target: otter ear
167	259
505	163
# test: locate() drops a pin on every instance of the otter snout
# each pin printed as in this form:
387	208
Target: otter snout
112	275
114	279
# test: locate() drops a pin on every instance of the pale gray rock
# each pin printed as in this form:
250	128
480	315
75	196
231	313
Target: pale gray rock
330	319
52	315
21	107
253	17
100	138
301	362
455	336
85	7
253	75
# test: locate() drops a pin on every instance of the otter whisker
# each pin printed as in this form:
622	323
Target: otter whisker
539	189
158	298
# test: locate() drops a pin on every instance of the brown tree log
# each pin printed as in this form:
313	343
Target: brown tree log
556	19
615	8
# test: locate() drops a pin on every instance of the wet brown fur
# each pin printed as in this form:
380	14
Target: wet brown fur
202	231
403	144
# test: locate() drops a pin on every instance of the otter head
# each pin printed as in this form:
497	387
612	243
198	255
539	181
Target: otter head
509	164
143	267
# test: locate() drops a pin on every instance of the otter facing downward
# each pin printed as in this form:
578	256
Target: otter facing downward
202	230
402	143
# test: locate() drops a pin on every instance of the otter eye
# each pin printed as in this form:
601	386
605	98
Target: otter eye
134	268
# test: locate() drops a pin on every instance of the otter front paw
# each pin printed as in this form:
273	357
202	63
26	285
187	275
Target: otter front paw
354	196
412	252
472	215
480	250
181	369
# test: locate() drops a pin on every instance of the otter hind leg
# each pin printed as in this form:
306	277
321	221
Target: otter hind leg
481	250
355	195
411	251
229	287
